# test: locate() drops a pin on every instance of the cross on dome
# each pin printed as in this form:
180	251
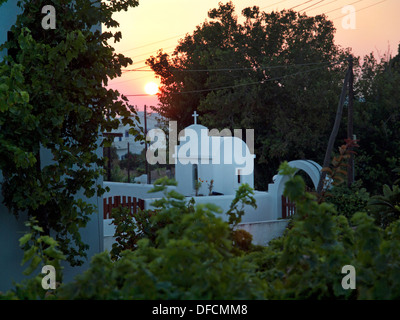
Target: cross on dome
195	115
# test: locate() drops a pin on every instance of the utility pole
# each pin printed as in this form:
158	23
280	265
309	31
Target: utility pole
332	138
145	145
350	170
108	134
129	176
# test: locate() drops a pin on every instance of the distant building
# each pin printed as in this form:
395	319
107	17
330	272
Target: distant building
135	147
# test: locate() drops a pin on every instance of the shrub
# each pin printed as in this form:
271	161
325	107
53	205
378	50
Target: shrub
349	200
386	207
191	257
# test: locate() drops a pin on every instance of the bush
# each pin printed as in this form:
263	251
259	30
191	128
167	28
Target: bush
306	263
191	257
348	201
386	207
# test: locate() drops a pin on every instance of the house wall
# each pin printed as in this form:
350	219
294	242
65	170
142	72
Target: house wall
262	233
264	223
136	190
12	229
263	212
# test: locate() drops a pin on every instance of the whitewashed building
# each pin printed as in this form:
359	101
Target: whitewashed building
201	157
128	140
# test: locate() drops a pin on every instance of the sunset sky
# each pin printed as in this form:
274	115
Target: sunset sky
159	24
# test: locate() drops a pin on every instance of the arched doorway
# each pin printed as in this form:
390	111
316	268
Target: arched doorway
311	168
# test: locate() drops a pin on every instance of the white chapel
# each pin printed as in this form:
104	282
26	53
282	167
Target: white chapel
205	155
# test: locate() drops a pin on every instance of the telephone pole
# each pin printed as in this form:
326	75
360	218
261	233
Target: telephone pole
128	164
350	112
145	146
335	129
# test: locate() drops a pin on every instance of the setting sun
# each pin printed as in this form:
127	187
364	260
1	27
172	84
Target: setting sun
151	88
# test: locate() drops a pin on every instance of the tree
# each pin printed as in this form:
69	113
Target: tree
279	73
53	100
133	161
376	121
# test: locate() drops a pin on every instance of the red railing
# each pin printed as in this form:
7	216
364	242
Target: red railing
288	208
121	201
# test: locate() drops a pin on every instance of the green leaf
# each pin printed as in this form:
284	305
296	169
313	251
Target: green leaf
24	239
32	267
28	254
37	228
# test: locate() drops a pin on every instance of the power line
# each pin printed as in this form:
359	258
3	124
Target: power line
240	69
183	34
177	36
273	4
362	9
342	6
155	42
300	4
138	69
152	52
129	80
304	9
322	5
238	85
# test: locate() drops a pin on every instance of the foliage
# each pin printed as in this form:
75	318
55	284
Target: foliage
133	161
376	121
210	186
40	250
386	207
197	186
262	73
147	223
397	171
244	196
50	125
116	173
313	251
190	257
306	262
337	172
347	200
130	229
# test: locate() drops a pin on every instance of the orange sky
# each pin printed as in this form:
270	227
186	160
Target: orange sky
158	24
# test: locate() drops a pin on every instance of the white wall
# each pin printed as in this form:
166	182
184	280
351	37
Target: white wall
136	190
264	231
12	229
264	222
263	212
251	221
